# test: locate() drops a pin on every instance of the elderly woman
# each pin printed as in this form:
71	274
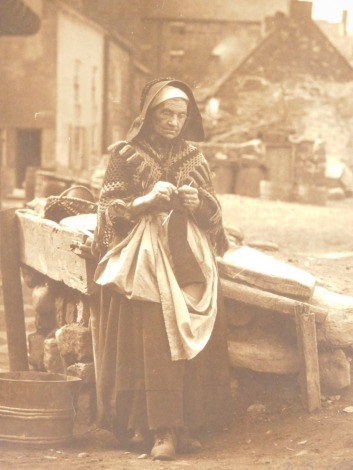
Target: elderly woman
162	357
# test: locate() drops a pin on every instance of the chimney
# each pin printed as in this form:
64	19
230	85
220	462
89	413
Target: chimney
344	21
300	10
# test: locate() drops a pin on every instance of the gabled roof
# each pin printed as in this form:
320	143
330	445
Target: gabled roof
294	47
17	19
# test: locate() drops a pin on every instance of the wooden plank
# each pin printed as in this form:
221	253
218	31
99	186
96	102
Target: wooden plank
260	270
55	254
308	356
266	300
12	292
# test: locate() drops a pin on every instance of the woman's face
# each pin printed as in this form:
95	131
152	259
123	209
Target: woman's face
168	118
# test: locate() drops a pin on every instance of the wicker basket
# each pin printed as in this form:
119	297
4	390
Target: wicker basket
67	205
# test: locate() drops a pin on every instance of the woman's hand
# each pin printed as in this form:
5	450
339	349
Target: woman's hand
189	197
162	191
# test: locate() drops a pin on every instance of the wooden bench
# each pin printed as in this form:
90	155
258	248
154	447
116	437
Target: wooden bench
61	254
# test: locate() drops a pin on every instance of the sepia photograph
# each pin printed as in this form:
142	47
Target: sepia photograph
176	234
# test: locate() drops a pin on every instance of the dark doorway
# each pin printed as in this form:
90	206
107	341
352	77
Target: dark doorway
28	152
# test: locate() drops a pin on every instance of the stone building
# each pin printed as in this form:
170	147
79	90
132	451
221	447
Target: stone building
66	94
72	88
294	81
196	40
292	91
16	20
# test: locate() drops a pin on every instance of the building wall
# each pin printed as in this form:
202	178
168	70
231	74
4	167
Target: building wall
118	92
149	26
27	92
308	109
197	51
121	16
79	94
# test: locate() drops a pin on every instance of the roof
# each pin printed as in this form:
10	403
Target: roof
294	47
17	19
215	10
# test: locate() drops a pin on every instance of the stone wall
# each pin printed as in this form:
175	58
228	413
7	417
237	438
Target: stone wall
308	109
62	342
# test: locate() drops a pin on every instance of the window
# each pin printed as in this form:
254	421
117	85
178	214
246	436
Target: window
177	27
76	83
176	57
77	147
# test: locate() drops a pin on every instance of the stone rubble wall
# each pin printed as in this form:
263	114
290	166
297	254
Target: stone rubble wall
62	342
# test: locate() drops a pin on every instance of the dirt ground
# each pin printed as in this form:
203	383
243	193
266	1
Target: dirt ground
283	436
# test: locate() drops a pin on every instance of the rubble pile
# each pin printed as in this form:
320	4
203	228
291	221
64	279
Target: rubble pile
62	342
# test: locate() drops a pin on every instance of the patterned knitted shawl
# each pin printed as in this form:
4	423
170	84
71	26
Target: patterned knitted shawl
133	170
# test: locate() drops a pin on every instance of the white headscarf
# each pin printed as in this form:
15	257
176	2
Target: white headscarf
168	93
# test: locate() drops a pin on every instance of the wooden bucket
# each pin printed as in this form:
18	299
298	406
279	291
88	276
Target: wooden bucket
37	407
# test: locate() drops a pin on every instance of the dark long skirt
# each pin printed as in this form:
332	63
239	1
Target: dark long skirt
138	384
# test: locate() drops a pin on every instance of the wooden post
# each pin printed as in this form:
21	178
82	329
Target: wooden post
308	356
94	301
12	291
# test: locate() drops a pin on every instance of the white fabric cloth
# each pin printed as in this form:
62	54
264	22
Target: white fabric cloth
168	93
141	269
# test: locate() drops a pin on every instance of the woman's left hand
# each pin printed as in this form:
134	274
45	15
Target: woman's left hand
189	197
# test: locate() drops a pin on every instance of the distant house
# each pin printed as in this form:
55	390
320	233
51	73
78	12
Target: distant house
66	94
16	19
295	79
295	48
294	88
195	40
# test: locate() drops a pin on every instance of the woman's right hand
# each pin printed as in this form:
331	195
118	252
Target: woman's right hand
162	191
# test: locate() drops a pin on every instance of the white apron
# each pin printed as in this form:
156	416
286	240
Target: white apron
140	268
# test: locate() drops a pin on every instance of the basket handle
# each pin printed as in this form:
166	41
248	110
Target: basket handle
64	193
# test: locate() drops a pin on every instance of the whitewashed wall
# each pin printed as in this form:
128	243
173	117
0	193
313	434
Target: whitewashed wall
79	93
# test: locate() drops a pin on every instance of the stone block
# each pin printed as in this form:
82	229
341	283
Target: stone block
239	314
60	311
36	350
337	330
262	351
84	371
71	312
334	369
45	322
75	343
52	359
83	312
